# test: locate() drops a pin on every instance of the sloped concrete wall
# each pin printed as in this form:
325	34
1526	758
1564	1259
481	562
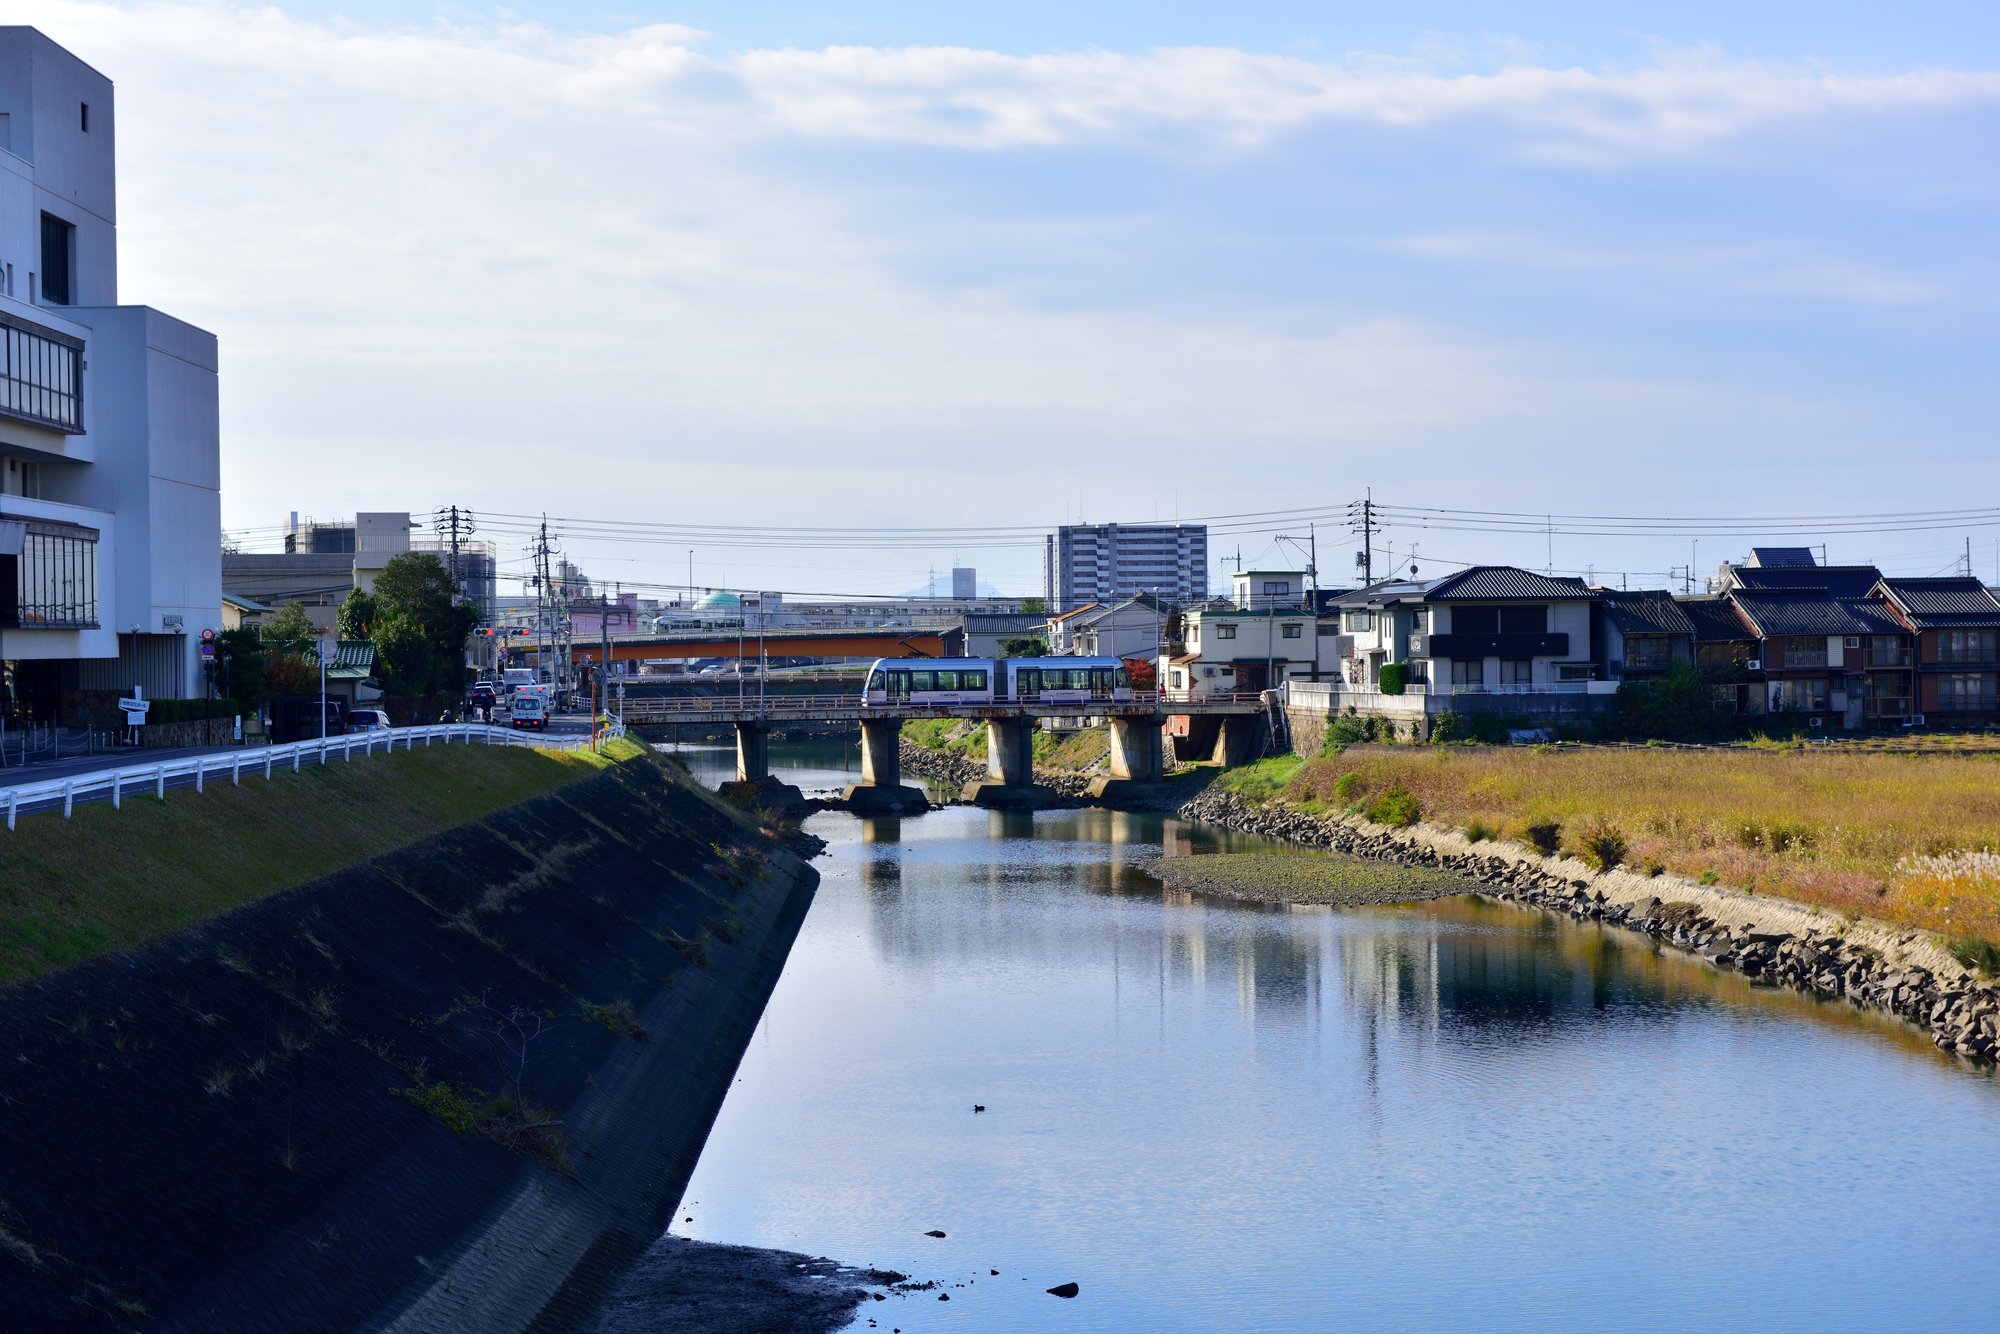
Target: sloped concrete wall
207	1134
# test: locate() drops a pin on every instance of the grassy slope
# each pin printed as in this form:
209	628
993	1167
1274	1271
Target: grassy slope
1896	837
109	879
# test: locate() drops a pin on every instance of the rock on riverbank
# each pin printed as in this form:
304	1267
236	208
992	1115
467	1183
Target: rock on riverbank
1870	963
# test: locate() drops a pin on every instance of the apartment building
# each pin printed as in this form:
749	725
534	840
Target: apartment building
110	459
1109	562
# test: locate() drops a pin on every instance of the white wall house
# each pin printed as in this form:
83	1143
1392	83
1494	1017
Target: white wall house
1266	637
110	510
1132	629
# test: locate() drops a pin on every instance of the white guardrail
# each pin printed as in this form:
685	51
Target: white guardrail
233	764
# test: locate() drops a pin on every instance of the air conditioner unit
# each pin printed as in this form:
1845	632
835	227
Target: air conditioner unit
1754	665
1916	720
1816	723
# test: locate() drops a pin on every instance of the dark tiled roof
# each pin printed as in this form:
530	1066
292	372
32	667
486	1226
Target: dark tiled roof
1713	619
1813	613
1649	612
1504	583
1768	557
1841	581
1379	593
1931	603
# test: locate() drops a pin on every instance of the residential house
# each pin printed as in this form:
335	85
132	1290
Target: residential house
1264	637
1060	624
1815	652
1954	662
1725	649
1640	634
1491	637
1133	628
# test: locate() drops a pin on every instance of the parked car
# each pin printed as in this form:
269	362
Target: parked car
366	720
483	698
529	709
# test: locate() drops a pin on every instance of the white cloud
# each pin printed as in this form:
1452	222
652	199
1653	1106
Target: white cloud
489	263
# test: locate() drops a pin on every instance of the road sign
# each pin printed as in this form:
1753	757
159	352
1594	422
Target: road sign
207	649
135	705
207	637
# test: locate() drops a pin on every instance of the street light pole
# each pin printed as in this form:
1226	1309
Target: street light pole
322	689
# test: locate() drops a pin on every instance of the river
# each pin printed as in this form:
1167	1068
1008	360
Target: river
1459	1115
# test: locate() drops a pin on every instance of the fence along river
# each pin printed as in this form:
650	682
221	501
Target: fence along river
1453	1115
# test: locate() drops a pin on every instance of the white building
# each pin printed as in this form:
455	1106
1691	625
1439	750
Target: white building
1266	636
110	511
1109	562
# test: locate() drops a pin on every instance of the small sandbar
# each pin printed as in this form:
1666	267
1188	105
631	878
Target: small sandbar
1281	877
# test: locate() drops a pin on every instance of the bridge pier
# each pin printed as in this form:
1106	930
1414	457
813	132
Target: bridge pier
1236	739
881	788
753	752
1135	758
1010	768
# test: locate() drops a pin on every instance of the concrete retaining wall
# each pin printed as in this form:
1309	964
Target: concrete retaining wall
206	1134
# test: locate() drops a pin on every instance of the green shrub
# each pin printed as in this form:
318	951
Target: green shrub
1545	836
1602	847
1393	677
1978	954
1446	726
1479	831
1347	787
1709	877
1395	808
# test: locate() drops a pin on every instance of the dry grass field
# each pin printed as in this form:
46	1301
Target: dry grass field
1913	839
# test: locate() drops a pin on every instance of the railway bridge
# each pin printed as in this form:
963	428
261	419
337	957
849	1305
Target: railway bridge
1136	737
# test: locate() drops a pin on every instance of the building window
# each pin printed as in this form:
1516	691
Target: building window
1646	652
1524	620
1468	671
1888	651
1799	694
1360	621
86	116
1420	618
1967	645
1964	692
1517	671
1802	651
58	257
1276	588
48	576
1225	632
41	376
1290	631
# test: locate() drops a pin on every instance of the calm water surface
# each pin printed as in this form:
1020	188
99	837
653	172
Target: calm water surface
1453	1116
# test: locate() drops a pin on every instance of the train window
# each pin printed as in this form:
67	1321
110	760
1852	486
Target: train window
923	680
972	680
1121	678
947	680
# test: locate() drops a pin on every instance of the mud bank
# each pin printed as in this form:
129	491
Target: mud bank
1343	882
1871	964
458	1087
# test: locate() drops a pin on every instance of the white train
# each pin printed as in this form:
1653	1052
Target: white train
894	681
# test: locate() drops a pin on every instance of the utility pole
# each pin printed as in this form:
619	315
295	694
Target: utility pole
603	662
1363	518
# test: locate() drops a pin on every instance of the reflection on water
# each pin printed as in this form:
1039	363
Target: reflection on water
1448	1115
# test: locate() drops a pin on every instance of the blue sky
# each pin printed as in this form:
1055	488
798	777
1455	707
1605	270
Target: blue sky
1003	265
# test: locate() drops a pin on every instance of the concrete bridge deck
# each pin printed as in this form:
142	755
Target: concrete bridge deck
1136	758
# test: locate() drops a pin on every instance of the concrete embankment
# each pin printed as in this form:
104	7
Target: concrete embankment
458	1087
955	769
1872	964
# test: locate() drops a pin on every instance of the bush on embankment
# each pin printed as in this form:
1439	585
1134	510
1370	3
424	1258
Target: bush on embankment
107	880
1897	837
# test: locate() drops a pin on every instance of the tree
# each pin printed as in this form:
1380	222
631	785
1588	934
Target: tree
1678	705
242	673
1026	646
290	631
415	599
404	659
357	615
1034	607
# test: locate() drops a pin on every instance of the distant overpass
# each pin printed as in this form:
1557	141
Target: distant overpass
894	643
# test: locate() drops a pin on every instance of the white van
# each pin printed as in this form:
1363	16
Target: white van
529	708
